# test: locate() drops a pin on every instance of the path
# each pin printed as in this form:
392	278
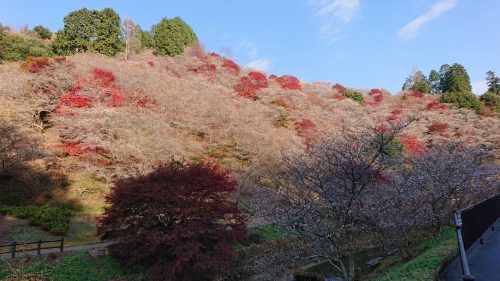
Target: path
66	249
484	260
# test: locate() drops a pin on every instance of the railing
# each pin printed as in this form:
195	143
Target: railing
26	247
472	222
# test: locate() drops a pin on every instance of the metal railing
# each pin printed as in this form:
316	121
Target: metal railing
471	224
26	247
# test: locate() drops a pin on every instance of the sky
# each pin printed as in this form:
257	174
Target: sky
358	43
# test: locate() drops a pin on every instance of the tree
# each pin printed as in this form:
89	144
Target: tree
147	39
2	39
434	82
178	222
43	32
462	100
418	82
86	30
107	32
132	35
78	32
493	82
172	35
455	79
324	195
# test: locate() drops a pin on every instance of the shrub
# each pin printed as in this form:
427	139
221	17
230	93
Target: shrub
289	82
258	79
412	144
280	102
170	36
205	68
462	100
232	66
53	219
438	128
339	88
491	100
246	88
16	48
354	95
73	100
339	96
436	105
104	77
307	130
179	220
35	64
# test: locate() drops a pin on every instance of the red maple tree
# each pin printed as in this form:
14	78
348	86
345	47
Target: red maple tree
177	223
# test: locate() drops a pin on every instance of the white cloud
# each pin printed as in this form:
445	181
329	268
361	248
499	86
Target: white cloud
248	47
411	30
260	64
479	87
335	14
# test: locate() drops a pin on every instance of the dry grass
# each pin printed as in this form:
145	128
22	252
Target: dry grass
195	115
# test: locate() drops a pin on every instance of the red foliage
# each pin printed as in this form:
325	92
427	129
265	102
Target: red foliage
280	102
73	100
419	95
307	130
104	77
214	55
258	79
232	66
116	100
180	221
383	129
289	82
339	88
246	88
412	144
339	96
375	92
151	63
206	68
395	113
436	105
35	64
60	59
438	128
273	77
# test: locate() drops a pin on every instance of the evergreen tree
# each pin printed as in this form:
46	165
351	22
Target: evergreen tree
455	80
171	36
493	82
86	30
146	39
418	82
42	31
434	80
108	32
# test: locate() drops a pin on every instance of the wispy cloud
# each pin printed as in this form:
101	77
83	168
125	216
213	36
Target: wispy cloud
335	14
248	47
411	30
260	64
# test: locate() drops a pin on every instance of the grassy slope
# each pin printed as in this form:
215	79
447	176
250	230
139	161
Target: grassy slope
423	267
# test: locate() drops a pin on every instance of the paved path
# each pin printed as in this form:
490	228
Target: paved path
66	249
484	260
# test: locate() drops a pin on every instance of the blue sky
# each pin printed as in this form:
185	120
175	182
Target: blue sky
358	43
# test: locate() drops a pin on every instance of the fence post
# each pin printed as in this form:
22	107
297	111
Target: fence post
466	276
62	244
39	248
13	250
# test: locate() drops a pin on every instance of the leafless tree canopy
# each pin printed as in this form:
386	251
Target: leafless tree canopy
358	190
15	149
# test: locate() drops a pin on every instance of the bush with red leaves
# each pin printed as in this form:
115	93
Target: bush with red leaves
214	55
395	113
151	63
339	96
339	88
280	102
412	144
307	130
375	92
206	68
289	82
104	77
177	223
232	66
438	128
271	77
73	100
436	105
35	64
258	79
245	88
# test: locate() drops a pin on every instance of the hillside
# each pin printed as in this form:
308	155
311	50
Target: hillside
113	117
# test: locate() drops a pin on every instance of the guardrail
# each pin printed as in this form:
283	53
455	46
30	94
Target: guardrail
13	247
471	224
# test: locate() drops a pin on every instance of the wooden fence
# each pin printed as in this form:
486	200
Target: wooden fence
16	247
